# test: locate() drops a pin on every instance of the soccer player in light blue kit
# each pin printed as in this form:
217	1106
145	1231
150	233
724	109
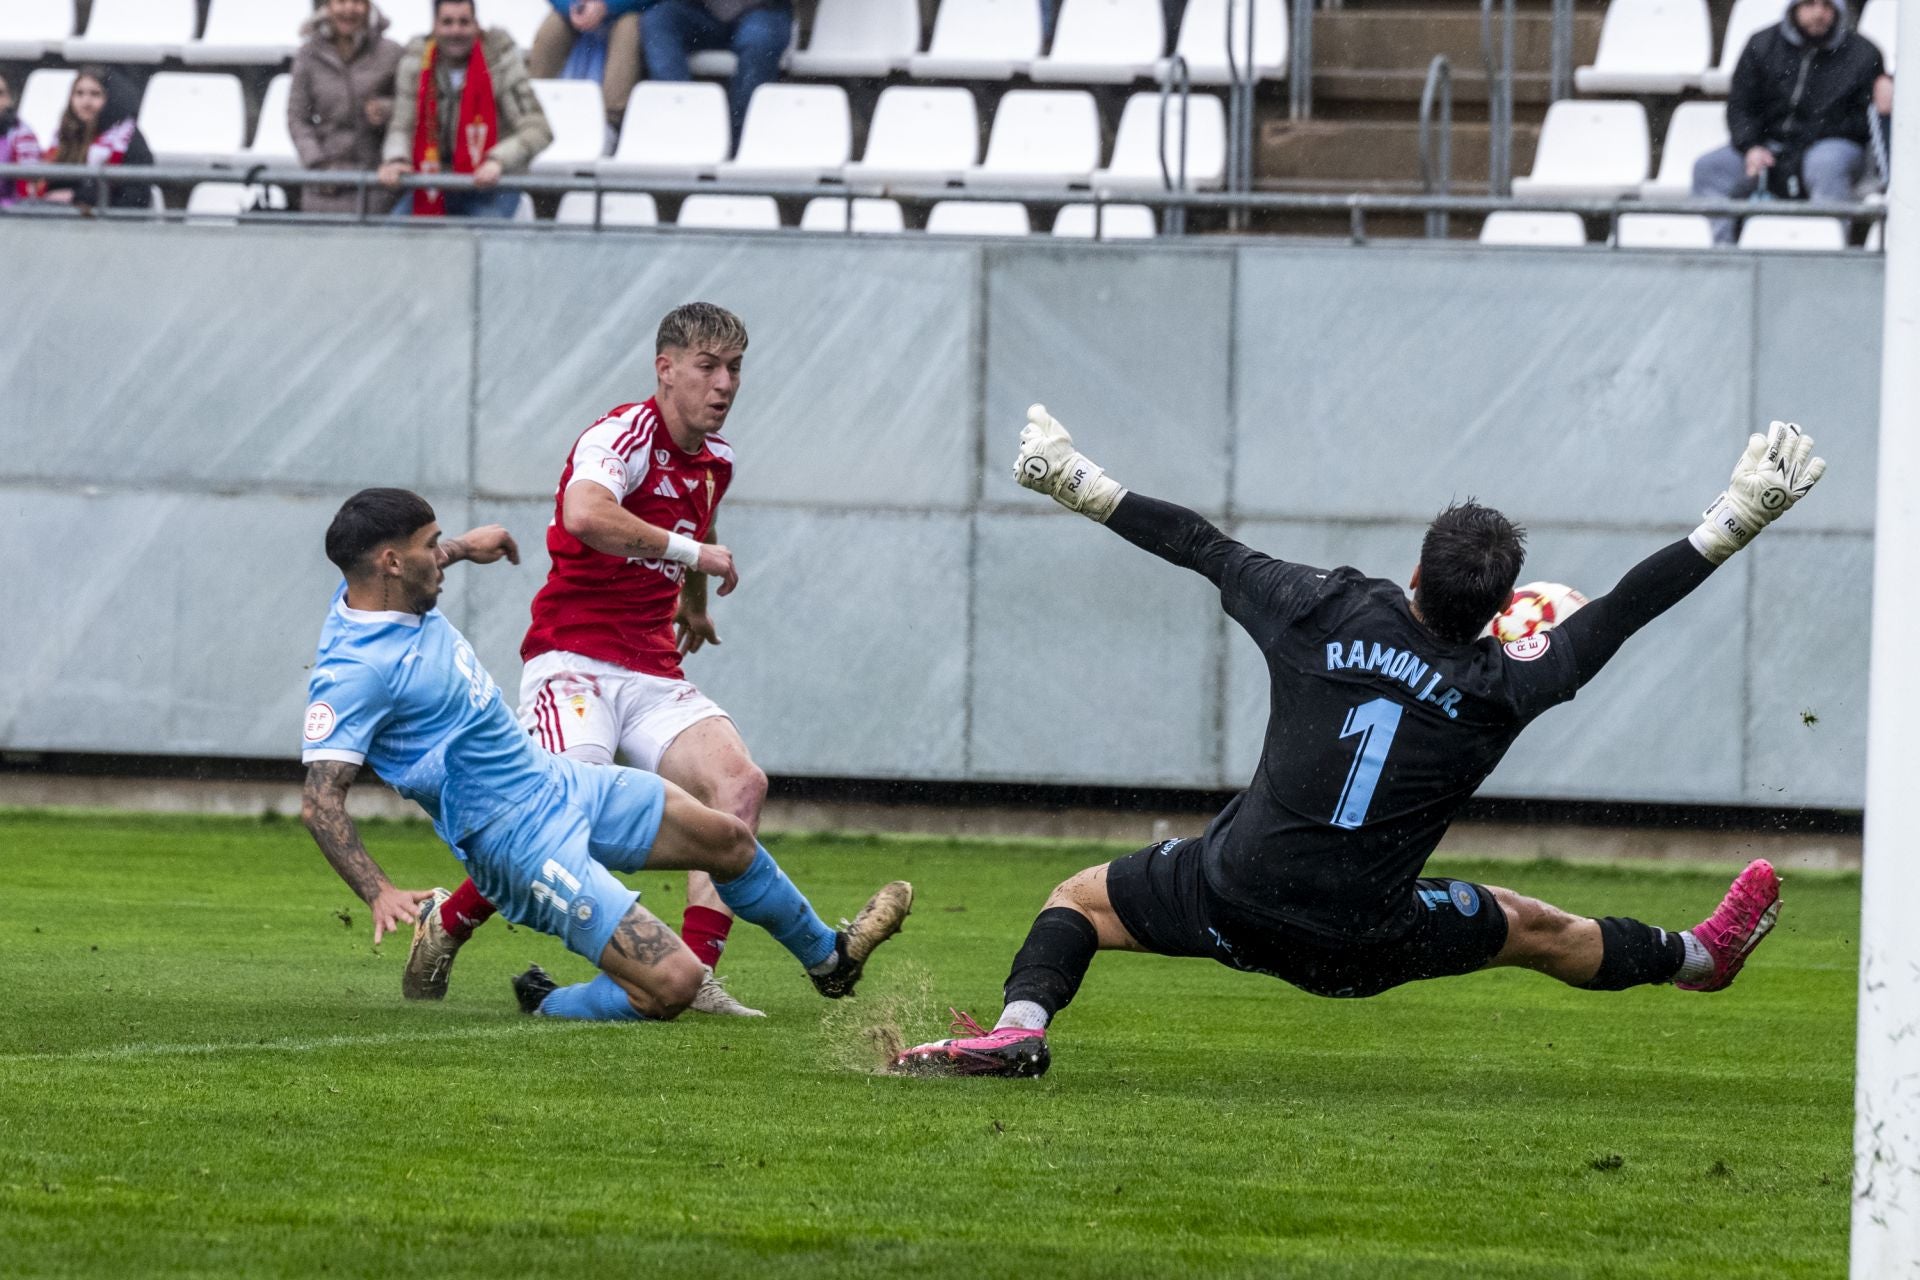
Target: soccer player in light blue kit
396	685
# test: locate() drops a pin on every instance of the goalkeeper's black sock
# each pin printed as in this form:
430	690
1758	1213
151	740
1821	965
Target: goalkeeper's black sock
1634	954
1048	970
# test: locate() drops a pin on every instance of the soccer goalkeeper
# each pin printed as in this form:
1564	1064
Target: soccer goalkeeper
1387	712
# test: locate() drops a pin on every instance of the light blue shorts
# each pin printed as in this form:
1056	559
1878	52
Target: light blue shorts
546	865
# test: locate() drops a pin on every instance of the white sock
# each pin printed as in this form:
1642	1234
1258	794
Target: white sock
1698	964
1023	1013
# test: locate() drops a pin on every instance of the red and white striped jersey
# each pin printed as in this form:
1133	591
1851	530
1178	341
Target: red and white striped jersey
612	608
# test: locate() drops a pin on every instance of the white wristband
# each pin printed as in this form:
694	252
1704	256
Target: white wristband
682	550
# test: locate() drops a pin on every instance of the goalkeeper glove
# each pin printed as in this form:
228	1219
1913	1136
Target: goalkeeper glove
1775	472
1049	464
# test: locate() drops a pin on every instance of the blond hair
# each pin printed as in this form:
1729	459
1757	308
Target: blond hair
701	324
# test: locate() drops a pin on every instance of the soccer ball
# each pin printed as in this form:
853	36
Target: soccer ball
1535	607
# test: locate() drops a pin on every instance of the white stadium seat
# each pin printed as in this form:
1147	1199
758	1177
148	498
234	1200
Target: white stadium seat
1879	22
1041	138
731	213
521	18
980	40
1649	46
249	31
919	134
194	117
134	31
617	209
672	129
1696	128
272	139
1203	39
1876	237
1115	222
1664	231
985	218
720	64
1512	227
1104	42
869	216
1778	231
578	115
34	27
1597	149
1136	161
226	201
43	100
407	19
792	133
1748	17
859	38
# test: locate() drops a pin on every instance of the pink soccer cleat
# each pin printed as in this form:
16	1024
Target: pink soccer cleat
1743	917
1009	1051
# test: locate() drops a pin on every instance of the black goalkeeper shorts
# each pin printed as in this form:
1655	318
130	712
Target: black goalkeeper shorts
1163	900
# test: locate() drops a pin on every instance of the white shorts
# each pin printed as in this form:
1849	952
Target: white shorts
568	702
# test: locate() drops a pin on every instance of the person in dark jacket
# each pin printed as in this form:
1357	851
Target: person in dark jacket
98	129
341	99
1797	111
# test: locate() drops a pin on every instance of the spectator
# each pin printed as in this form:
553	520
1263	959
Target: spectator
462	104
17	146
98	129
758	33
341	100
1797	111
596	40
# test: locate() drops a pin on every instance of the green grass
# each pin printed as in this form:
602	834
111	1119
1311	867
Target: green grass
206	1070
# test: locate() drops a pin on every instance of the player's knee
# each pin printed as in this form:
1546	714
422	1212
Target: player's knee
679	982
742	793
1531	923
730	846
1084	892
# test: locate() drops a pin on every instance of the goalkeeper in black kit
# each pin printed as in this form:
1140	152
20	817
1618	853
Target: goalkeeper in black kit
1386	714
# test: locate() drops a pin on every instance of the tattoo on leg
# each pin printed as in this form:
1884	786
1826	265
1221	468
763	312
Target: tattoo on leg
644	939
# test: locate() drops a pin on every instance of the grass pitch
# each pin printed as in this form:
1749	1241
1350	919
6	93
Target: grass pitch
205	1069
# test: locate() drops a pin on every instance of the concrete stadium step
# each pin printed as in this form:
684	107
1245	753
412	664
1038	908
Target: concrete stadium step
1382	54
1355	155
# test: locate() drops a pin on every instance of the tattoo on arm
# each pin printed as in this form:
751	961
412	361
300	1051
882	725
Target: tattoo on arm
643	939
323	807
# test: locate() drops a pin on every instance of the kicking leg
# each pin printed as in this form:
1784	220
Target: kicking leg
645	972
711	762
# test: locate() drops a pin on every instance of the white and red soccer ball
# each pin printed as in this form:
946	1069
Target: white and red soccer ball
1535	607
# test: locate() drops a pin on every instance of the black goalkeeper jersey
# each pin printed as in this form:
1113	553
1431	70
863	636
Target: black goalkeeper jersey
1378	731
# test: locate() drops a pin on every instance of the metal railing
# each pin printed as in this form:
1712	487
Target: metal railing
1299	57
1436	159
1499	96
1560	77
1174	75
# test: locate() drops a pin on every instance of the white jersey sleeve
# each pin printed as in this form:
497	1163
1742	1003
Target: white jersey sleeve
347	704
613	452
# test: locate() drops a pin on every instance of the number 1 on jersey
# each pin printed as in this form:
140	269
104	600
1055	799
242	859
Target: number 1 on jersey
1375	722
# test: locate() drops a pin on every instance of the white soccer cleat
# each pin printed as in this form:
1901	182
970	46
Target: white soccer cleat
714	998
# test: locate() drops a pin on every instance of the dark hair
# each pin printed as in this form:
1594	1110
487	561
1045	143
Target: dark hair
1469	561
371	518
700	324
438	5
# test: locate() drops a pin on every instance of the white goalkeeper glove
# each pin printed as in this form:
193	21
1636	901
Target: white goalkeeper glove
1049	464
1775	472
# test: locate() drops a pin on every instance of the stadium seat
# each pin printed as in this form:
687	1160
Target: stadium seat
226	201
1664	231
980	40
1115	222
1203	39
1596	149
870	216
734	213
792	133
35	27
1879	22
1778	231
1041	138
985	218
195	117
859	38
249	31
1748	17
919	134
1876	237
408	19
676	130
1649	46
272	139
521	18
1696	128
43	100
134	31
1136	162
720	64
1511	227
1104	42
578	115
617	209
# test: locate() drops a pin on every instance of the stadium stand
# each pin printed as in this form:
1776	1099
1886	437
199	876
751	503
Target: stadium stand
1041	138
730	213
617	209
1135	165
1879	22
1203	40
1696	128
1777	232
980	40
868	216
578	116
1649	46
272	142
1589	148
257	32
672	131
1514	228
793	133
43	100
521	18
1115	222
134	31
193	117
1103	42
859	38
226	201
978	218
1748	16
919	134
1664	231
35	27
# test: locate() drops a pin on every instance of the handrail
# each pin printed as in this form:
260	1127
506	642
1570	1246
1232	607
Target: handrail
1499	97
1299	59
1436	170
1560	80
1175	71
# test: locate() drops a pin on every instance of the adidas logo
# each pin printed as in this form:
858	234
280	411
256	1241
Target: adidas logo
665	488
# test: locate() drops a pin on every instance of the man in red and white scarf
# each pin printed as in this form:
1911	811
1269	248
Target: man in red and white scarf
463	104
17	146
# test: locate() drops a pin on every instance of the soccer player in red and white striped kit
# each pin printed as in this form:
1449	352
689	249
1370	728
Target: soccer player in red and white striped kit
625	600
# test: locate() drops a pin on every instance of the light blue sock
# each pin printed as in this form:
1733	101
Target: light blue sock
602	1000
765	896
